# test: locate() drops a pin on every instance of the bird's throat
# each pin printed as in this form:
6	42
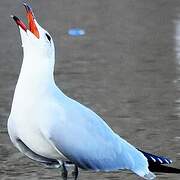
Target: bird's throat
35	76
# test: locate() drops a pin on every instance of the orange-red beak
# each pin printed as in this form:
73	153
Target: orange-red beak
19	23
31	21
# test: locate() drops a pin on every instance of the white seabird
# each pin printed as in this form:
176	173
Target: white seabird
51	128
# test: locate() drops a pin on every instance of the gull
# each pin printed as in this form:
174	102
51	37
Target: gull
55	130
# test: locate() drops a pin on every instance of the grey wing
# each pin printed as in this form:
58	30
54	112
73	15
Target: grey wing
86	140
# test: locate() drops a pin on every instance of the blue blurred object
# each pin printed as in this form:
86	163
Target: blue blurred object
76	32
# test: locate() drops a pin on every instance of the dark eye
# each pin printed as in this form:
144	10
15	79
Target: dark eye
48	37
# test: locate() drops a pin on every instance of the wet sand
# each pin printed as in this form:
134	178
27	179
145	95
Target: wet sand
126	68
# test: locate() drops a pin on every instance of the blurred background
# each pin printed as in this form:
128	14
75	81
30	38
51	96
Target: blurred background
126	68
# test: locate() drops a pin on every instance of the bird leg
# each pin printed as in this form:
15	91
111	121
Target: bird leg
64	172
75	172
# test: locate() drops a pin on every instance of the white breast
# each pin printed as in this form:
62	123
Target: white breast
26	126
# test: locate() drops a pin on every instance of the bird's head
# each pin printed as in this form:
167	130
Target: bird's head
35	40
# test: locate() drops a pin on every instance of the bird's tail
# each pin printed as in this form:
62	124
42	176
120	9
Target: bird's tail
156	163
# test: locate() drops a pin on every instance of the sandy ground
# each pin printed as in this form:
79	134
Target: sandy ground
126	68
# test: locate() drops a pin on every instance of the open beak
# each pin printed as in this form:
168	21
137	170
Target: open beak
31	21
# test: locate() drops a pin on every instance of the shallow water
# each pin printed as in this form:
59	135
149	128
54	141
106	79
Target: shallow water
126	68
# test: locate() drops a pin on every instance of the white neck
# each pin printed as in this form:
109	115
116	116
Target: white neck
36	75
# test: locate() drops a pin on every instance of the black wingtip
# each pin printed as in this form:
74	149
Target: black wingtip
156	159
156	163
162	168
